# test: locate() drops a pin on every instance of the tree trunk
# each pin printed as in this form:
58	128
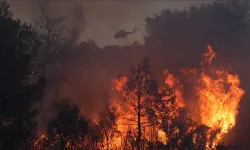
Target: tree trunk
63	143
138	140
139	130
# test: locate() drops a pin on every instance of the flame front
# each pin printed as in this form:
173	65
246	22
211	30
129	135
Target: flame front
216	92
219	97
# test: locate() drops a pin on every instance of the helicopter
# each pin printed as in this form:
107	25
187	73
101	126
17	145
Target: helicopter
122	33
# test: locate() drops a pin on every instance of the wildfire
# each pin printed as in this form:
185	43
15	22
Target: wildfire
219	97
175	84
218	94
145	114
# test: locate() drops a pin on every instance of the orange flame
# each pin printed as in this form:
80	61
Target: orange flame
175	84
218	95
40	138
209	56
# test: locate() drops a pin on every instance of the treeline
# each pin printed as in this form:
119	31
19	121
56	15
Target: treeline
147	117
34	57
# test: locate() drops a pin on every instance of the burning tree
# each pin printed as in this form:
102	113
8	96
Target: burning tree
108	126
156	112
150	104
155	117
138	90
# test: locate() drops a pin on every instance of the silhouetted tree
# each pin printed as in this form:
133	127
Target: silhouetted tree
225	25
21	88
51	35
139	90
181	34
69	128
52	45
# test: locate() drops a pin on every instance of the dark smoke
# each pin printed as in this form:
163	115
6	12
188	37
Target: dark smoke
181	45
173	43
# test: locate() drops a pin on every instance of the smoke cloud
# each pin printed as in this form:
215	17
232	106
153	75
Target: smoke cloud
89	71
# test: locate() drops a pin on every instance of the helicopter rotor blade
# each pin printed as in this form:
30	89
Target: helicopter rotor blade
124	28
114	28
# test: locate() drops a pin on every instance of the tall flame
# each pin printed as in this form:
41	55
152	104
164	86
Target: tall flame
218	95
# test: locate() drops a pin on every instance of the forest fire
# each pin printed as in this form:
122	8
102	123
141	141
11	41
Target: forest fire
218	96
146	116
60	88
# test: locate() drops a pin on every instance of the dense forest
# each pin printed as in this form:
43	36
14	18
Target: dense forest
185	88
